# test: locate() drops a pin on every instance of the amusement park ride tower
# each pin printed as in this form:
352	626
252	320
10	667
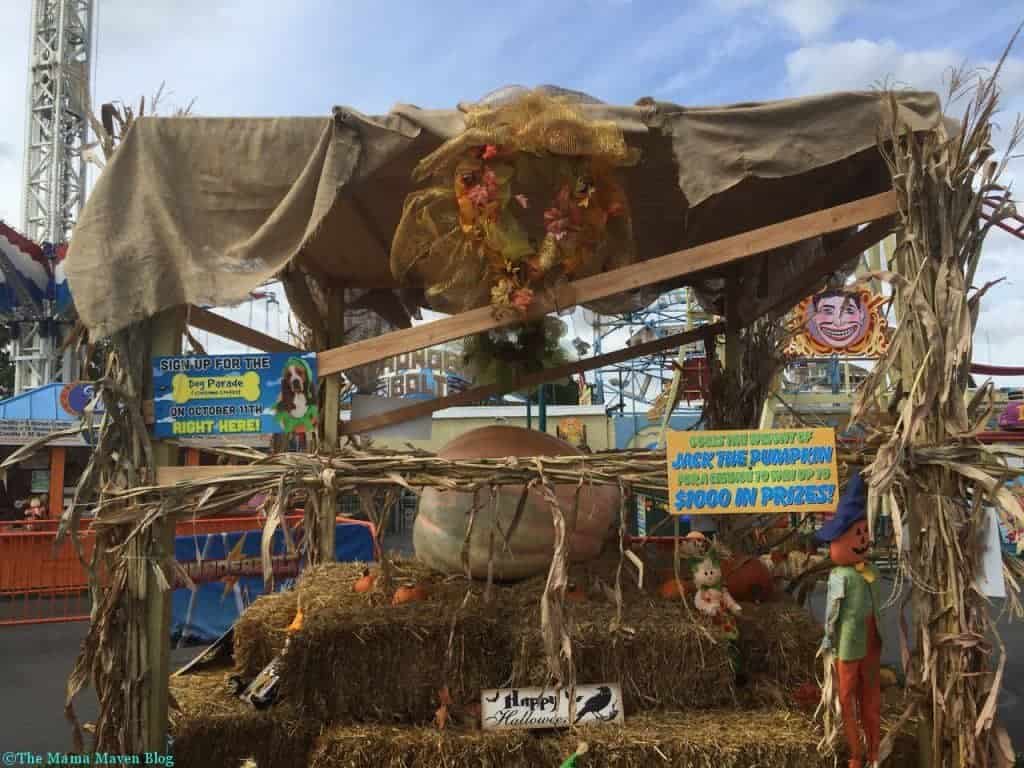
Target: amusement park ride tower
641	380
54	182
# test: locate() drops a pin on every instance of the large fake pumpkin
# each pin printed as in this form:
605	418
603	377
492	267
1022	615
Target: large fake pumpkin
444	515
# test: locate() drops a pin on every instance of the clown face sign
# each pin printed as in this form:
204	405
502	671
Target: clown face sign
845	322
837	319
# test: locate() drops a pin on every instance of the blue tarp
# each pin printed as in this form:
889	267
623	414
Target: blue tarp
206	614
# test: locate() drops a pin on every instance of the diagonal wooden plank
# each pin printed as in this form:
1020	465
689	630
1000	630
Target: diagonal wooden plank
650	272
213	323
850	248
476	394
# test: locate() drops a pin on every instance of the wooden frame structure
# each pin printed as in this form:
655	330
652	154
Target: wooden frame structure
876	211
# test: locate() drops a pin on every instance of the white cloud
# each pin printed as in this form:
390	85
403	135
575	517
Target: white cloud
862	64
810	19
13	76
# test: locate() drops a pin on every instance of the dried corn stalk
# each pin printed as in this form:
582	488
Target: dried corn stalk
929	463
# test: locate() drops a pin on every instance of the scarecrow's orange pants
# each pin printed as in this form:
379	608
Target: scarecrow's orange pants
860	690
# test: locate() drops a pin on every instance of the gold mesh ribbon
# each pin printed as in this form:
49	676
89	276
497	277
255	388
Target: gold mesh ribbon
534	123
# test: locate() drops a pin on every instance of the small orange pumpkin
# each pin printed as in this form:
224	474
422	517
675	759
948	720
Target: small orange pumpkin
366	581
670	590
575	593
409	593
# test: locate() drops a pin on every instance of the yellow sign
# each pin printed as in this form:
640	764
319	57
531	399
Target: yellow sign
232	387
752	471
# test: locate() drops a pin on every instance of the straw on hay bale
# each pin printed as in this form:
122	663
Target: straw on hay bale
700	739
359	658
259	633
212	727
779	642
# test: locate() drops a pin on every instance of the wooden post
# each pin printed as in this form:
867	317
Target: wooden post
733	349
58	455
167	329
542	409
329	424
191	457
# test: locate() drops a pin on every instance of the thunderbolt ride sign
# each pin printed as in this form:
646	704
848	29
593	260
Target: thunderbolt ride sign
225	395
752	471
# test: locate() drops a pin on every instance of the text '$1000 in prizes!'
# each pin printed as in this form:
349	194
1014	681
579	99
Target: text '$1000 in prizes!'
752	471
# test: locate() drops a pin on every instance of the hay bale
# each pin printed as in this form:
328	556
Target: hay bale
779	642
724	739
259	632
212	727
355	746
662	660
360	658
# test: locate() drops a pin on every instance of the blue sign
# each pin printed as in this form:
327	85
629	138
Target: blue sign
225	395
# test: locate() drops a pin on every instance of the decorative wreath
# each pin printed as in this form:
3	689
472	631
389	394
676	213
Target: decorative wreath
501	356
525	197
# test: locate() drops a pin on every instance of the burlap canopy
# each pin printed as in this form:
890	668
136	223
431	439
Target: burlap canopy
202	210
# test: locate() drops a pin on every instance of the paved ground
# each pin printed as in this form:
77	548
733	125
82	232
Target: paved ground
35	662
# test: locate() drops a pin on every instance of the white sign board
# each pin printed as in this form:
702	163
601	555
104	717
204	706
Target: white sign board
989	579
531	708
21	431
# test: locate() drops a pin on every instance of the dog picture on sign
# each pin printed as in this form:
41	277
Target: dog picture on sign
296	407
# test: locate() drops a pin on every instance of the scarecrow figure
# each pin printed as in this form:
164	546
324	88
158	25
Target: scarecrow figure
853	637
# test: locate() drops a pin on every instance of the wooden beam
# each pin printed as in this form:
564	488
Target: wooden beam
640	275
475	395
167	329
172	475
55	507
205	320
329	418
733	325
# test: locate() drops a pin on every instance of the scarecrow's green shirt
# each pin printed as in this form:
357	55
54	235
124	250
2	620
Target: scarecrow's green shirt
851	599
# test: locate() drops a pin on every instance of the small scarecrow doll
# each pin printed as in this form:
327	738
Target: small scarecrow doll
853	640
714	602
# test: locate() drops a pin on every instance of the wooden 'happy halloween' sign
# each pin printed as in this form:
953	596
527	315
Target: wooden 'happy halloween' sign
845	322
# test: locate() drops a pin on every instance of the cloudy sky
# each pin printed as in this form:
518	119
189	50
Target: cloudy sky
265	57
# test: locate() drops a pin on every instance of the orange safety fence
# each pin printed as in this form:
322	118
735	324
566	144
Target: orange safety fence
41	582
